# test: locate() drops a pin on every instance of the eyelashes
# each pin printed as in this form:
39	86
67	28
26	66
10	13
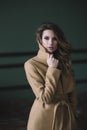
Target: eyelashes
55	39
47	38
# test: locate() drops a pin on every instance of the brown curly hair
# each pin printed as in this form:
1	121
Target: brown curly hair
64	47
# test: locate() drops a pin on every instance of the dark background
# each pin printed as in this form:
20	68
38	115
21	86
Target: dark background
19	20
18	23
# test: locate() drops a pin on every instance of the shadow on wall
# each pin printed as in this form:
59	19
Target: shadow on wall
82	111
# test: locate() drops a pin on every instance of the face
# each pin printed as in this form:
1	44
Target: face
49	41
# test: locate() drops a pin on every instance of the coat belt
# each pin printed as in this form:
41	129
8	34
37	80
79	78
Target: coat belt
62	102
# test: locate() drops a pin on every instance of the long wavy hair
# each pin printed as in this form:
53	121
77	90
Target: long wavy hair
64	47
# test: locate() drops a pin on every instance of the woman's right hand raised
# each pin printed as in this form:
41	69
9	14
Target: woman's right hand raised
51	61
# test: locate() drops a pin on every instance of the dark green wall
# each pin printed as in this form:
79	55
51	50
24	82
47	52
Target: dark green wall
18	23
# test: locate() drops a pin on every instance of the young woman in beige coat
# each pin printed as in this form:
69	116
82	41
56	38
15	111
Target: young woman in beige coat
51	78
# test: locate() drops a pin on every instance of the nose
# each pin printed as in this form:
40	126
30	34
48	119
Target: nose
50	41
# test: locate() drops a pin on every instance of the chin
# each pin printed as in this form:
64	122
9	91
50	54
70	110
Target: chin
50	52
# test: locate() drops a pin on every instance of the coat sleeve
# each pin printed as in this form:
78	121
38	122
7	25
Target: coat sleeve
42	88
74	99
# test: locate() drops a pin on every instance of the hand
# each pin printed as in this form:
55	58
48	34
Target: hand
51	61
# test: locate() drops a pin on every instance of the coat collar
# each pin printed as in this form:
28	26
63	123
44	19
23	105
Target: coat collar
42	54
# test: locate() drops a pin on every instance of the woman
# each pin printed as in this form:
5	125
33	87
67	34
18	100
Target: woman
51	78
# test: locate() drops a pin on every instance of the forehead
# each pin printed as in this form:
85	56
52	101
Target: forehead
48	32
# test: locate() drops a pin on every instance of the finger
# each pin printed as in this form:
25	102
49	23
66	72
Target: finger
50	56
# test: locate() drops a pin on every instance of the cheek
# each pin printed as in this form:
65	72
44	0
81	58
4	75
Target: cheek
43	41
56	46
44	44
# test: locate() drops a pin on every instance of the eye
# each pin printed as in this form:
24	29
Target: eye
54	39
47	38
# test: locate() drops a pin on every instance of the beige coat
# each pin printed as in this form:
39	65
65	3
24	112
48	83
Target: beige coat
55	102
